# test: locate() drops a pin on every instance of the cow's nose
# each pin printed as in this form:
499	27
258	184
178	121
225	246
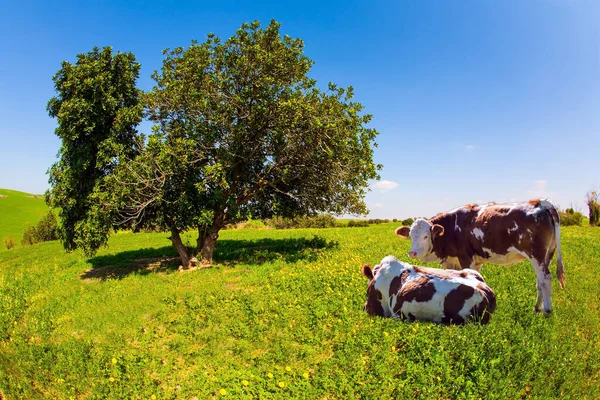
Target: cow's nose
412	254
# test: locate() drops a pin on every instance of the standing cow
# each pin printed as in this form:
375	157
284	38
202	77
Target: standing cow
400	290
503	234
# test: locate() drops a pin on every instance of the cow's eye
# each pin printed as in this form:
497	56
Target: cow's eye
424	237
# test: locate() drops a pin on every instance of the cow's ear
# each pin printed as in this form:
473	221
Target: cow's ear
437	230
403	232
366	271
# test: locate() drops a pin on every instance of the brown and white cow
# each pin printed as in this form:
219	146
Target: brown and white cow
503	234
400	290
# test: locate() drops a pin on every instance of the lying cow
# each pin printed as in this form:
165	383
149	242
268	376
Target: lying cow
503	234
400	290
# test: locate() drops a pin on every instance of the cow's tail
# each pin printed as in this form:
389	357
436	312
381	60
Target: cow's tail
560	269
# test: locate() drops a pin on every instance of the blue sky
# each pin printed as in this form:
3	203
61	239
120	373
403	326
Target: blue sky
475	100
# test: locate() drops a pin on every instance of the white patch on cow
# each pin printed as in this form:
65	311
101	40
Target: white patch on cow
481	210
387	270
513	249
513	256
521	236
516	228
421	242
478	233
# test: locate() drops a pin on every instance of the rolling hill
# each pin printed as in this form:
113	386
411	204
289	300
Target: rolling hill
18	210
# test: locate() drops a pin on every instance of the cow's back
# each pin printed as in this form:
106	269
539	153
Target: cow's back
476	233
445	296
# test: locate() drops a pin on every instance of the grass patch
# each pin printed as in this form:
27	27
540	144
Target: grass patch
281	317
18	210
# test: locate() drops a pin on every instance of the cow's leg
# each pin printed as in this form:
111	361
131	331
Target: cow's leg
544	286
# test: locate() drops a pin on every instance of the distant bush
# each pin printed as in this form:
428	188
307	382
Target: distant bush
357	223
407	222
395	220
570	217
250	224
593	202
9	243
45	231
317	221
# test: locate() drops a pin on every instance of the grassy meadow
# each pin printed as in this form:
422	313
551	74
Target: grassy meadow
19	210
280	316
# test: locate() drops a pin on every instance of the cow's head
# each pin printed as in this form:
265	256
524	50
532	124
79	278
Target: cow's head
373	305
421	233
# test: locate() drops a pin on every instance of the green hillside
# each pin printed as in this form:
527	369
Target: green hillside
18	210
281	317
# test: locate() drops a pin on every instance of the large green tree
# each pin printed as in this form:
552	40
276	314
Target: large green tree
98	108
243	131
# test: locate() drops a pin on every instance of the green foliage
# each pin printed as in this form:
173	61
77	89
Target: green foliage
45	231
593	202
17	211
9	243
571	217
243	132
317	221
357	223
97	108
280	299
407	222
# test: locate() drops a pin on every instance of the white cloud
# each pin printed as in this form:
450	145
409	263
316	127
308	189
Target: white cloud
469	147
376	205
540	190
384	186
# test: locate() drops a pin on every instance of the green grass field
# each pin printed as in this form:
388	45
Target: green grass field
281	317
18	210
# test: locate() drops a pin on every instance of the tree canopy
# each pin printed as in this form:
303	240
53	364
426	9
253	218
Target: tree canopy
241	130
97	108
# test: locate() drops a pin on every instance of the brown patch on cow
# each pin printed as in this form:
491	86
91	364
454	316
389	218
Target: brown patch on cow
373	305
366	271
487	306
535	202
420	289
470	207
455	300
397	282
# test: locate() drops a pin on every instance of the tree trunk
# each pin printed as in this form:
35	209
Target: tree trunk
183	252
207	239
208	248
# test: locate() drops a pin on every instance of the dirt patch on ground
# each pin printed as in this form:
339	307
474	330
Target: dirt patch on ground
140	265
1	197
36	196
